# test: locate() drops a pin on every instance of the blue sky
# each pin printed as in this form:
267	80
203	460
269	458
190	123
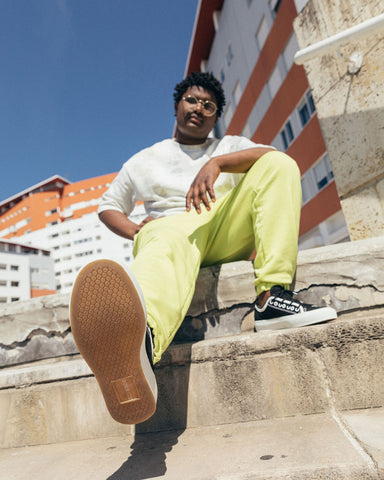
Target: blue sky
84	84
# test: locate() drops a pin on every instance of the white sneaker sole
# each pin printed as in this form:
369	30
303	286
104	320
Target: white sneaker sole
108	319
297	320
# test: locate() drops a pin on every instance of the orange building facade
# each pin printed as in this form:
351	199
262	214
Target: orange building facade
61	218
50	202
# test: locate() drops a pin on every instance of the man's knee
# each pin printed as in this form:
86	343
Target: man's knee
275	163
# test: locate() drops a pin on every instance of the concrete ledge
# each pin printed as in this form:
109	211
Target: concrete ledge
346	276
332	367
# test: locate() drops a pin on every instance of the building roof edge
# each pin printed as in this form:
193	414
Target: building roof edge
34	187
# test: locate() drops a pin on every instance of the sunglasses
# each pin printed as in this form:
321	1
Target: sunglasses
209	108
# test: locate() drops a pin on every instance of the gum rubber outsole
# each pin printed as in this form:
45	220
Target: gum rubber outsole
108	323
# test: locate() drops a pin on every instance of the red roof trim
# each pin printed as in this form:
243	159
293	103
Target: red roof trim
203	35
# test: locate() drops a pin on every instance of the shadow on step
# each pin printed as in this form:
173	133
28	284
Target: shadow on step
157	436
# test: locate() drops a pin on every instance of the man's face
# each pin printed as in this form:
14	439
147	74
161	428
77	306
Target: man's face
192	126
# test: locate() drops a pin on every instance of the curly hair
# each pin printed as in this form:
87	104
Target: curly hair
204	80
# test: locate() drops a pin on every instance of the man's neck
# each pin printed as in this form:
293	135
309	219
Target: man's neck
180	138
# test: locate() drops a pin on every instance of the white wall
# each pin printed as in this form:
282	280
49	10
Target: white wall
14	277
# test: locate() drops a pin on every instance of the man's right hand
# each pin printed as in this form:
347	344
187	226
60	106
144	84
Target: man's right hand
144	222
118	223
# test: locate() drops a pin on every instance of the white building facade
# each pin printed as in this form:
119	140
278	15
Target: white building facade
25	272
76	242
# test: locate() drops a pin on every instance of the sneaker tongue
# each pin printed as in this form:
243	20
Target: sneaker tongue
276	289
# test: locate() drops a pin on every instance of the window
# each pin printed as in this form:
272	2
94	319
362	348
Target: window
323	172
3	266
316	178
306	109
222	75
246	132
3	283
227	117
262	33
81	240
229	55
237	92
15	299
275	5
291	47
306	189
287	134
83	254
275	81
15	268
50	212
14	284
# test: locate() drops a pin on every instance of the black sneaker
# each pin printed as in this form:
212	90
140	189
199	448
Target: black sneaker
108	319
282	311
149	344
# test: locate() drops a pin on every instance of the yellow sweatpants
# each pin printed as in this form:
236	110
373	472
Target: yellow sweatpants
261	213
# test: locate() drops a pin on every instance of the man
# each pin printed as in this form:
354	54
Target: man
208	202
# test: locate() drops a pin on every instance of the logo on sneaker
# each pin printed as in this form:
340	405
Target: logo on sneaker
284	305
126	390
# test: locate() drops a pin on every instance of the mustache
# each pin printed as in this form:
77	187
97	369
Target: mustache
194	114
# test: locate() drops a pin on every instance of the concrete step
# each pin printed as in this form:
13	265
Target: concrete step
333	367
325	446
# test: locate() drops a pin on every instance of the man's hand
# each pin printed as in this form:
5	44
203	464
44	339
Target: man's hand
202	186
121	225
235	162
144	222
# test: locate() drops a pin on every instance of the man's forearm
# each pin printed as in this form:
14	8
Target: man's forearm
118	223
242	161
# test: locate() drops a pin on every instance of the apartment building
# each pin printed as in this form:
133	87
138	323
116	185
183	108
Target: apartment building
25	272
61	217
249	46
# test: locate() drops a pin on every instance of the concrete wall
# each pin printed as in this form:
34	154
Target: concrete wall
350	108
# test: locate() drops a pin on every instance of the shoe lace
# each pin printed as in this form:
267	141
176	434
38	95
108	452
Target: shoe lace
283	293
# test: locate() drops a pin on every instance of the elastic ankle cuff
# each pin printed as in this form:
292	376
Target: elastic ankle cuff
264	287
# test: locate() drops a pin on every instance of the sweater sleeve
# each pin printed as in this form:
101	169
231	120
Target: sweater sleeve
120	195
